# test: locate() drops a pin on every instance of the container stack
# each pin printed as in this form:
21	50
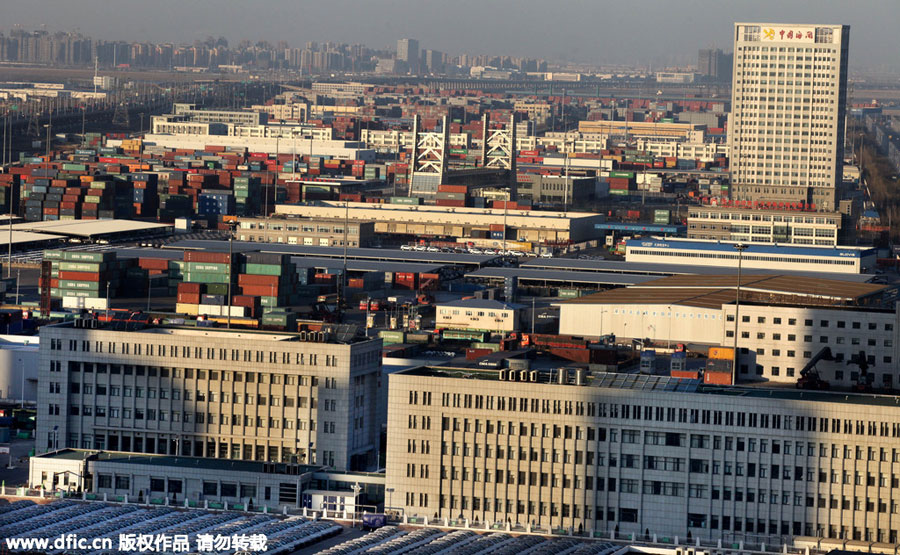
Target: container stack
208	276
271	277
146	194
87	279
246	191
621	183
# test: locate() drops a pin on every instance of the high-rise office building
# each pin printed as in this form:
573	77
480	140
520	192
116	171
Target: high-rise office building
408	52
787	112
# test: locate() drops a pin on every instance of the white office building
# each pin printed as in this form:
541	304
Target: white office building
229	394
787	112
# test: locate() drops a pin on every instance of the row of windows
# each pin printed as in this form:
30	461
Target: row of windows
210	353
646	413
198	448
757	258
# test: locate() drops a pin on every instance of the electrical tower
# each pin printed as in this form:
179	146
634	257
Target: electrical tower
499	146
429	158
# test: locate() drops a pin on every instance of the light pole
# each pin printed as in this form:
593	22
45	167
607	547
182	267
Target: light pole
356	489
231	270
740	248
390	492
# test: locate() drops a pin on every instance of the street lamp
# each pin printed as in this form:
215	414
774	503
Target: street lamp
390	491
356	489
740	248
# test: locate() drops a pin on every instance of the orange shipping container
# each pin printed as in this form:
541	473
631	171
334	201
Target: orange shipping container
717	378
721	353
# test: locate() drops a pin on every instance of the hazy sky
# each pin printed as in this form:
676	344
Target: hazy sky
598	31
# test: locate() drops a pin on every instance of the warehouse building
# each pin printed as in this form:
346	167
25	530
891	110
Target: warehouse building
761	225
242	395
294	230
457	222
807	258
784	322
640	454
202	482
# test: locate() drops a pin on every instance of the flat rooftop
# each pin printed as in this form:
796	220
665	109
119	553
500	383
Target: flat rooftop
663	269
89	228
338	333
173	461
714	291
539	214
559	276
674	243
644	382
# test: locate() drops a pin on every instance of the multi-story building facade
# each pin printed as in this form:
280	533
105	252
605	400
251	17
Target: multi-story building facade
643	455
304	231
787	112
764	226
793	258
237	117
287	397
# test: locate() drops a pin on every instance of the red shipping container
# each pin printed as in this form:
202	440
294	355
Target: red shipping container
189	298
188	287
448	202
255	280
208	257
153	263
689	374
80	276
259	290
472	354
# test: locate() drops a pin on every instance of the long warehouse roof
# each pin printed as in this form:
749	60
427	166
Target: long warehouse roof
353	265
660	269
562	276
87	228
337	252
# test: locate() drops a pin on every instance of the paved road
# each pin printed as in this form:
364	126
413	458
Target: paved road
18	475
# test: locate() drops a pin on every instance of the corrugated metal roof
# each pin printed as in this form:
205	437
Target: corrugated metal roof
87	228
444	258
774	283
562	276
662	269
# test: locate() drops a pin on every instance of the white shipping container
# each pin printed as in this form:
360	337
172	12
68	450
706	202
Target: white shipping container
89	303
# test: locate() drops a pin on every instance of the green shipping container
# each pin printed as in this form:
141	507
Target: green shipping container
81	256
618	192
82	285
93	267
264	269
203	277
217	289
569	293
661	216
626	175
206	267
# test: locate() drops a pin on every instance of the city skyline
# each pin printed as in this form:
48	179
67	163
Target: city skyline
661	34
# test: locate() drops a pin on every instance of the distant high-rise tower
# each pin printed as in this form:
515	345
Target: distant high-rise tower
714	64
786	128
408	52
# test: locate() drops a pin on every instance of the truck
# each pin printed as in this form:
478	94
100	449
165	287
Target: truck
373	521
